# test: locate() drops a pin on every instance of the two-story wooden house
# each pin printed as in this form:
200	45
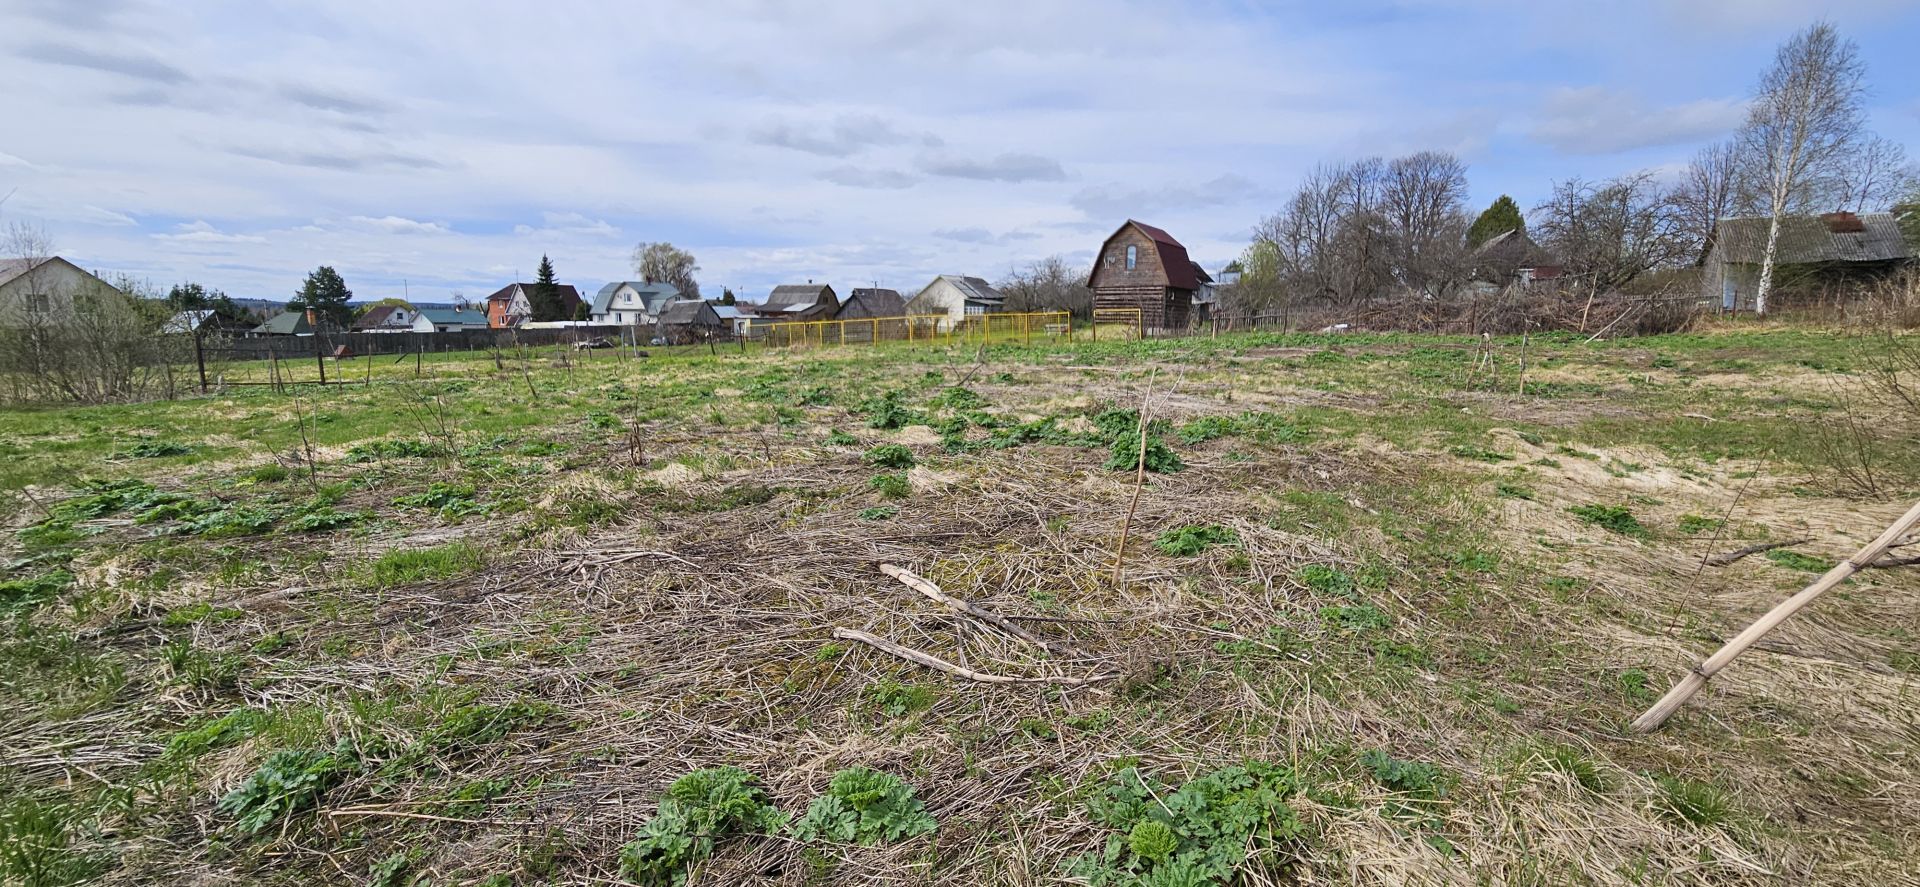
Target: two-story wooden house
1142	267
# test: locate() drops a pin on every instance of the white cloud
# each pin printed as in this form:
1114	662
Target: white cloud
1001	168
204	232
568	223
1599	120
1117	202
10	160
867	177
398	225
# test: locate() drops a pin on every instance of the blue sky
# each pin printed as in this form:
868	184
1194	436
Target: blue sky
449	144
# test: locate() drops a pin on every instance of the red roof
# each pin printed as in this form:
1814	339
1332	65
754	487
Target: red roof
1173	256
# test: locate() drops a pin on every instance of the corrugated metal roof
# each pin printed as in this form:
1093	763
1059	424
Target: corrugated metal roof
652	295
1173	257
871	302
1807	240
805	294
976	289
687	311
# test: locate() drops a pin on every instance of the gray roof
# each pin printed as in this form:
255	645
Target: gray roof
688	311
653	295
186	321
286	323
728	312
1810	239
871	302
454	316
975	289
10	269
790	294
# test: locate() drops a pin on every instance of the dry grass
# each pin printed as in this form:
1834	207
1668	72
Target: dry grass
669	639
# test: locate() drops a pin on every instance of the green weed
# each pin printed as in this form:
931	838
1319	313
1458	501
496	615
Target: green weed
1612	518
401	566
1794	560
890	486
890	456
1698	803
698	810
1199	834
864	806
1190	541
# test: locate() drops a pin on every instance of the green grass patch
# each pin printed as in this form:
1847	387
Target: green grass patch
1191	541
401	566
1794	560
1612	518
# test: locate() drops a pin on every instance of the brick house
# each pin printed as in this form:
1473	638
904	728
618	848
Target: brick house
1143	267
512	305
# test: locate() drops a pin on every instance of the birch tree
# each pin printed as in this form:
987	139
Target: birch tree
1804	123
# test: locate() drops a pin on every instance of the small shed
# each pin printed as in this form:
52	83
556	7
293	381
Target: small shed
286	323
866	302
690	320
1816	257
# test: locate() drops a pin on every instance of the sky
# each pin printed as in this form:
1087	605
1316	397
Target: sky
428	148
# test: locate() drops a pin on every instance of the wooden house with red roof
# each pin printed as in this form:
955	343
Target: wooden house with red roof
1143	267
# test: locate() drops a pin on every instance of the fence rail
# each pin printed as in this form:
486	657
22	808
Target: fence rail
1024	327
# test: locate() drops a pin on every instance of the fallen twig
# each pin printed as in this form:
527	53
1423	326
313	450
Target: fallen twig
1724	558
922	585
937	664
1139	480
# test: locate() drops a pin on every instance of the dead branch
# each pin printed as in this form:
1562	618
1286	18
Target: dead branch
937	664
969	608
1727	557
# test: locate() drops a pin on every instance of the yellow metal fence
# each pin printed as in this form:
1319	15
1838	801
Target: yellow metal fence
985	329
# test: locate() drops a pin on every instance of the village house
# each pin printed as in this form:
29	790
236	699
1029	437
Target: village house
286	323
631	303
385	319
42	290
866	303
449	320
797	301
1817	258
1512	257
690	320
1143	268
512	304
957	296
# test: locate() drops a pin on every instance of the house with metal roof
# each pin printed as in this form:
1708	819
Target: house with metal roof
1815	257
869	302
797	301
956	296
1143	268
286	323
630	303
452	319
42	290
690	320
512	304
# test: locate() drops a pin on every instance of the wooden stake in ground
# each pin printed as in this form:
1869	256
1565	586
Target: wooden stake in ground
1697	678
1139	480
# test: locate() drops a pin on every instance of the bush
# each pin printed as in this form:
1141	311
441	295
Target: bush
697	811
890	456
865	807
1197	835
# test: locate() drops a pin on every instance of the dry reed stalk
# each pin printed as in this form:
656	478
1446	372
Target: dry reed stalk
1139	480
1697	677
969	608
937	664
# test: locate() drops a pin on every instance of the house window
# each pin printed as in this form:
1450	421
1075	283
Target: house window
38	303
1133	256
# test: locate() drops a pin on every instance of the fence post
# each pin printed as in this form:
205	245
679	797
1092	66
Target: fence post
200	360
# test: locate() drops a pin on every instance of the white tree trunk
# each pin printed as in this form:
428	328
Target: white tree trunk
1766	267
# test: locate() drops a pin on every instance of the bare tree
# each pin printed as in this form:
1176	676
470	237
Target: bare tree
1423	197
1804	124
1049	284
68	336
665	263
1875	176
1613	231
1709	190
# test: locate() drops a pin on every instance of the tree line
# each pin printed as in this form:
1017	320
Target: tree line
1378	228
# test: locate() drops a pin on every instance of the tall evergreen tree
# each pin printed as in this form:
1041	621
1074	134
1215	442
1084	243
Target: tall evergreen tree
326	294
1502	216
546	294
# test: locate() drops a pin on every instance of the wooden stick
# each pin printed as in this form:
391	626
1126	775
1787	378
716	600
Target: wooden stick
1139	480
969	608
1727	557
937	664
1697	678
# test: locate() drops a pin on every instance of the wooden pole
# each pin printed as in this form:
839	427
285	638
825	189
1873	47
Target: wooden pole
1697	678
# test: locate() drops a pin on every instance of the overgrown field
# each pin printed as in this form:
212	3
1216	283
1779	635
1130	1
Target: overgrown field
1383	619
